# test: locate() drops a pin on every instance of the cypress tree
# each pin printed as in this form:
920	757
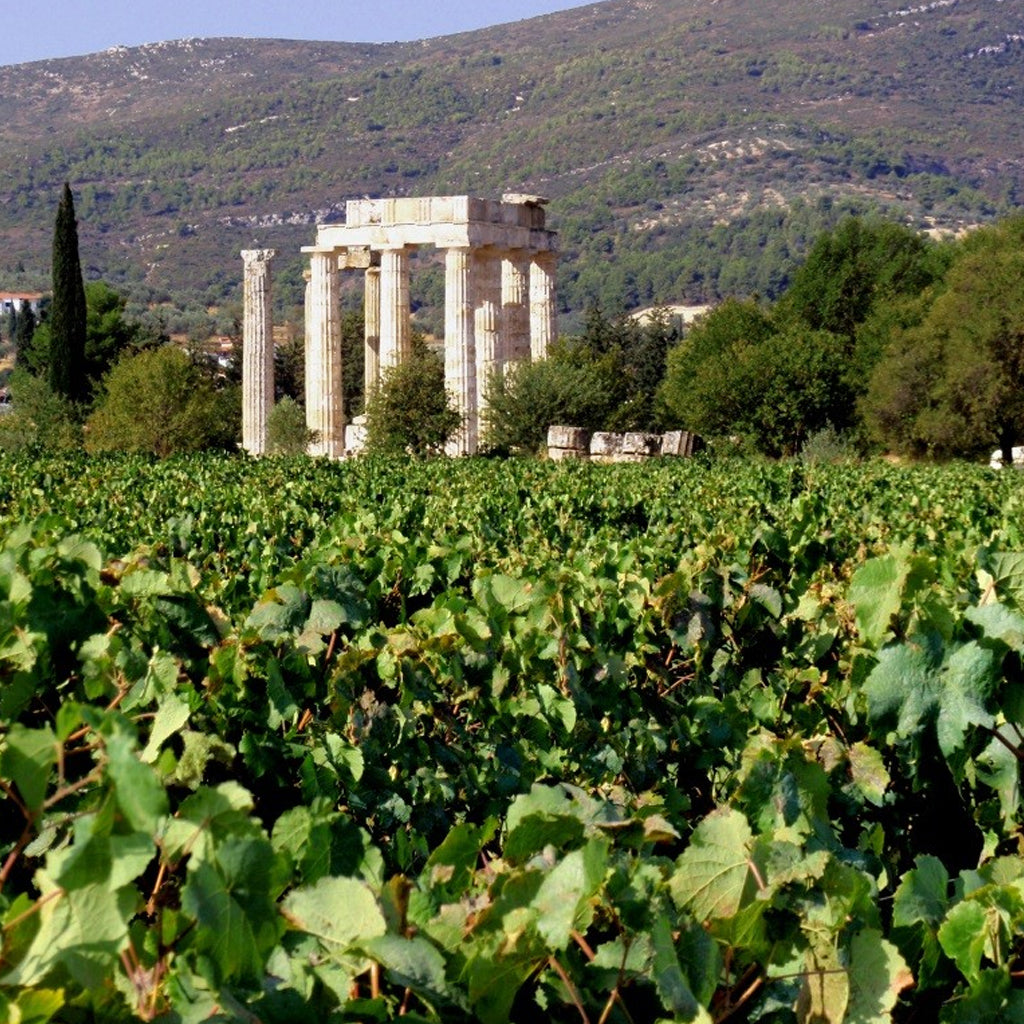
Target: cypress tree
23	337
67	311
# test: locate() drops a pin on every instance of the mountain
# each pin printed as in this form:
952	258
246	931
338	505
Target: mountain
690	148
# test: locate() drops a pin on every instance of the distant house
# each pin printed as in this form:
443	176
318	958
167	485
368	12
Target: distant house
13	300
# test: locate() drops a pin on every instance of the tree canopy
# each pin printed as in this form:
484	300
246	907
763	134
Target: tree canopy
158	401
410	411
953	383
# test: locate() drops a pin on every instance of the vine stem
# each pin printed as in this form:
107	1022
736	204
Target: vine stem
37	906
12	858
567	981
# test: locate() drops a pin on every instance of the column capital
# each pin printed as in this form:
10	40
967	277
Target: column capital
258	255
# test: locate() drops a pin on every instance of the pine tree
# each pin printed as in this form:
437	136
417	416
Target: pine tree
67	312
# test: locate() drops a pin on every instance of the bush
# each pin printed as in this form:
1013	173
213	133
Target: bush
159	401
38	417
411	411
527	398
287	433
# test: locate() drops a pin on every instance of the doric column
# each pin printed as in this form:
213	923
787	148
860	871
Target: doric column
515	315
460	345
543	318
324	400
257	350
395	328
371	332
487	296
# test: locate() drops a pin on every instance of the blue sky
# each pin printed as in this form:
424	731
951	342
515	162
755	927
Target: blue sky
64	28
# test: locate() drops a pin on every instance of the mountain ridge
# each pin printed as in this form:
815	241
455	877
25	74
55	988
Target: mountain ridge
689	148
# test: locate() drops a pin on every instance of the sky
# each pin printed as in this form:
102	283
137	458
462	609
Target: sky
66	28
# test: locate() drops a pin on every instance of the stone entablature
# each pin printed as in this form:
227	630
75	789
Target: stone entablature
516	222
500	263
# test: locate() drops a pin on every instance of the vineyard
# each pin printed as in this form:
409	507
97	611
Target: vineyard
494	741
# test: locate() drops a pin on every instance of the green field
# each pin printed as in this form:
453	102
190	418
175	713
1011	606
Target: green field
509	740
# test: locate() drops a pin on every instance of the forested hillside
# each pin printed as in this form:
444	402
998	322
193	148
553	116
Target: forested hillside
691	150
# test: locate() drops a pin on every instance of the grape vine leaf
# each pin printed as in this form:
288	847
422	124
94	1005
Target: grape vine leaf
714	876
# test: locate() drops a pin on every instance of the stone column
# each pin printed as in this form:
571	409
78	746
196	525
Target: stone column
395	328
543	318
487	323
460	345
324	400
515	315
257	350
371	332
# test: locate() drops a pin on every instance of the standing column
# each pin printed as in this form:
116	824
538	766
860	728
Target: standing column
395	328
324	399
371	331
257	350
460	346
515	315
487	285
542	303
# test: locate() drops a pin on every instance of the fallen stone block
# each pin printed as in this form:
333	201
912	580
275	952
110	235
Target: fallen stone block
569	437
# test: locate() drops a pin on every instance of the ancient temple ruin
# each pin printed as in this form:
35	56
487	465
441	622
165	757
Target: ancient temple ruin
499	303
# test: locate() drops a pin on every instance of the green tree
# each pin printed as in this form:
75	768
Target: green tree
38	417
411	411
108	333
28	354
527	398
159	401
287	433
954	383
67	371
705	380
851	269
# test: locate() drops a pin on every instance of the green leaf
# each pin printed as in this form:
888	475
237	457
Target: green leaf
870	776
32	1006
878	974
562	902
413	963
825	992
231	900
671	984
171	715
970	675
341	912
876	592
713	876
962	936
922	895
27	760
141	797
907	683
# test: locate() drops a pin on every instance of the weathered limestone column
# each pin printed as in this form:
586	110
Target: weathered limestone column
487	322
515	315
395	327
460	346
543	318
371	332
324	404
257	350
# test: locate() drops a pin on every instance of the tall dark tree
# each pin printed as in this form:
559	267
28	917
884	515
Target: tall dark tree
67	311
23	334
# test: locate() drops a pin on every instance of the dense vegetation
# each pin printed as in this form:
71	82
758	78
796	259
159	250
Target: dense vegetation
692	151
499	740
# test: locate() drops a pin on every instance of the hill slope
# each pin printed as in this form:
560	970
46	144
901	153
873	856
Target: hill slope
690	148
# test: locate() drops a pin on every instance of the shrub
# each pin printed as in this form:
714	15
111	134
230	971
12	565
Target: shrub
159	401
410	411
287	433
